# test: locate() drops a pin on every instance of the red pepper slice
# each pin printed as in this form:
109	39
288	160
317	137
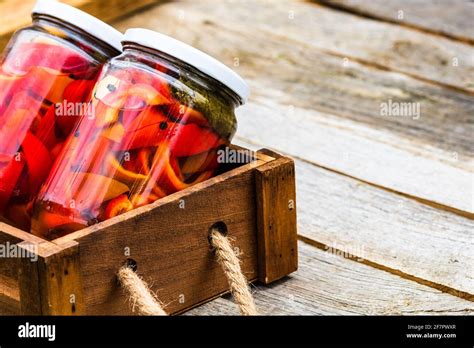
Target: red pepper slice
136	76
149	129
47	83
10	172
149	117
185	114
199	163
37	159
117	206
9	85
46	132
144	137
79	91
28	55
191	139
47	222
159	83
171	179
55	151
16	121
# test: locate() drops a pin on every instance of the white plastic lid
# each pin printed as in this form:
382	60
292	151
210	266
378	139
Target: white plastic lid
190	55
80	19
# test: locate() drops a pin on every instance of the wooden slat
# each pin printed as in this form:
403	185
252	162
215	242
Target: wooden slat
276	219
327	284
60	282
360	151
372	42
386	230
17	14
19	275
9	296
394	232
308	104
452	18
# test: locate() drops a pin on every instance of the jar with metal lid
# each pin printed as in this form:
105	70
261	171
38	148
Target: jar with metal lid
163	110
47	73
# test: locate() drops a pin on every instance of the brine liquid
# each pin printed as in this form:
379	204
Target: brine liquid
141	145
36	75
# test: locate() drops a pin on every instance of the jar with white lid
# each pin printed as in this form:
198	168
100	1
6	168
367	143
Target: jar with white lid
47	73
163	110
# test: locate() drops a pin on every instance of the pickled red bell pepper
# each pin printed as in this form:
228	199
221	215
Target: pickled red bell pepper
10	171
34	76
117	206
192	139
29	55
142	144
37	159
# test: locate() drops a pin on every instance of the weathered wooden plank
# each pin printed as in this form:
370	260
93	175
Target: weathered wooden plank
389	231
327	284
60	282
385	45
276	219
16	14
359	151
334	111
9	296
452	18
19	275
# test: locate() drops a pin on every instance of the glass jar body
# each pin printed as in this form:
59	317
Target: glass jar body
156	129
43	66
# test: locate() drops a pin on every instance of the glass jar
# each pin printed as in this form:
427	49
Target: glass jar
46	71
162	110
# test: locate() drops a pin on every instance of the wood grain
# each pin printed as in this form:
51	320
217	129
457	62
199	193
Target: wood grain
347	36
276	219
9	296
19	276
327	284
452	18
17	14
330	114
359	151
60	282
388	231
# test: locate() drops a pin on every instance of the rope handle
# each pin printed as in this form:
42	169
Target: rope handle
145	302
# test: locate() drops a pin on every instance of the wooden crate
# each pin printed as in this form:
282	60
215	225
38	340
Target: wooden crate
168	240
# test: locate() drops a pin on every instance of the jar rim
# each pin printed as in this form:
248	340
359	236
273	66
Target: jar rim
82	20
191	56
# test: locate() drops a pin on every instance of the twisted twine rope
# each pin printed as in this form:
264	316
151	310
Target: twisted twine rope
231	265
145	302
141	297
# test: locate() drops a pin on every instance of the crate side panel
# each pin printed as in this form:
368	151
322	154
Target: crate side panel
170	246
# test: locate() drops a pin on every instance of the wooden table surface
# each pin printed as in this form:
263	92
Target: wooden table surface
385	203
